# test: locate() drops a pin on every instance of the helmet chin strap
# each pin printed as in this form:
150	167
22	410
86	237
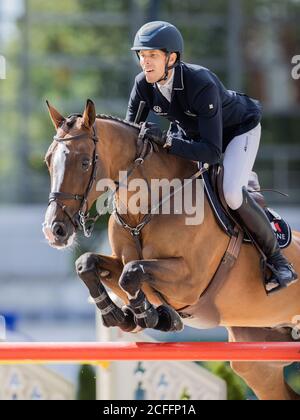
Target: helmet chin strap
167	69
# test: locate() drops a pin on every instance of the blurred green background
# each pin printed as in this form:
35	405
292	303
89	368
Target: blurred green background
71	50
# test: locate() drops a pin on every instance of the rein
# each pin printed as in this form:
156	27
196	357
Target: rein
81	219
136	231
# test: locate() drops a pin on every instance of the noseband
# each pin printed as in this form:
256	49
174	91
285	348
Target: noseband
81	219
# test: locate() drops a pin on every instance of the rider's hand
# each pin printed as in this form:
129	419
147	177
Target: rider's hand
152	132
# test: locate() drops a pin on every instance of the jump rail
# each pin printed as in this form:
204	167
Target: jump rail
93	352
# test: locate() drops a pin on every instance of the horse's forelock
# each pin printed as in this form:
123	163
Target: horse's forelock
71	120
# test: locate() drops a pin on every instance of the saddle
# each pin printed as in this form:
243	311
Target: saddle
213	182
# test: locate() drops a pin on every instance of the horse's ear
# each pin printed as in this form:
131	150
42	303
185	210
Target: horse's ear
56	117
89	115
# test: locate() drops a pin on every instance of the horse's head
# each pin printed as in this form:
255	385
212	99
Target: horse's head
72	161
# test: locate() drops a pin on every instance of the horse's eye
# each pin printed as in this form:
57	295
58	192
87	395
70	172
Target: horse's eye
85	164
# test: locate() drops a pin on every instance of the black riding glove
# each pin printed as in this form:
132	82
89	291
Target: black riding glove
152	132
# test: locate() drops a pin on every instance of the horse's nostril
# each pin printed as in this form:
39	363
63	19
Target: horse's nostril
59	230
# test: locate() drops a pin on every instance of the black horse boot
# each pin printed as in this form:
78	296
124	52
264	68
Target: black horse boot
258	225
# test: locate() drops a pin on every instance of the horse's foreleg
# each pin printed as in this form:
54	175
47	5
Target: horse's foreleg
169	277
266	379
91	268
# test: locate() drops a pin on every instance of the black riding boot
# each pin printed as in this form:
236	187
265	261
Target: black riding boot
258	225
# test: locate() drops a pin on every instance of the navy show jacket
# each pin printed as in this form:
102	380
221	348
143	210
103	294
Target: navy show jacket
210	115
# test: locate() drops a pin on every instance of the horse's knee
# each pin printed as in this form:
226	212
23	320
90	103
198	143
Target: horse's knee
86	267
86	263
131	278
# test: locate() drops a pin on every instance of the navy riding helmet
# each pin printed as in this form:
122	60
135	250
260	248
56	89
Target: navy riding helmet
159	36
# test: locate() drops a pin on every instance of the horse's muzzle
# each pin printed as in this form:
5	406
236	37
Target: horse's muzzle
60	231
59	234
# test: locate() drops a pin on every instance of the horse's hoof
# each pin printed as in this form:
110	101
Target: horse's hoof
169	320
129	324
128	311
145	314
147	319
118	318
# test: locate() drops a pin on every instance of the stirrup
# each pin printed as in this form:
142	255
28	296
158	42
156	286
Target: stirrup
273	286
276	286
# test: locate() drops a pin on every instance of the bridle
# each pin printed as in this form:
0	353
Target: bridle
81	219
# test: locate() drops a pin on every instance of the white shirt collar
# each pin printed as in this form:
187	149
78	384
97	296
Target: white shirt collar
167	88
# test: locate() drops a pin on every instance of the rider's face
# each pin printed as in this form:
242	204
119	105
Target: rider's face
153	63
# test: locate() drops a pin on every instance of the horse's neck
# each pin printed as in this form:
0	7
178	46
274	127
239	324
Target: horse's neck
157	166
118	149
211	241
171	167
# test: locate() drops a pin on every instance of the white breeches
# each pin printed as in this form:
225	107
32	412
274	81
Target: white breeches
238	163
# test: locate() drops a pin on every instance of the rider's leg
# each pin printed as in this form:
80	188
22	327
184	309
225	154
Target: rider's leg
239	159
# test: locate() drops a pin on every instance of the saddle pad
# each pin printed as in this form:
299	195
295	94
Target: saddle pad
216	206
281	228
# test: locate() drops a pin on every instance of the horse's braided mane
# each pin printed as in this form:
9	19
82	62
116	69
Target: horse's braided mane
72	118
120	120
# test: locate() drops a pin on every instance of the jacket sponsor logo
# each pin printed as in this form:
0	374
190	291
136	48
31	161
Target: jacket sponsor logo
157	109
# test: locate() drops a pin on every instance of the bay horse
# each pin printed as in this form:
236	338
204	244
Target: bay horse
175	263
